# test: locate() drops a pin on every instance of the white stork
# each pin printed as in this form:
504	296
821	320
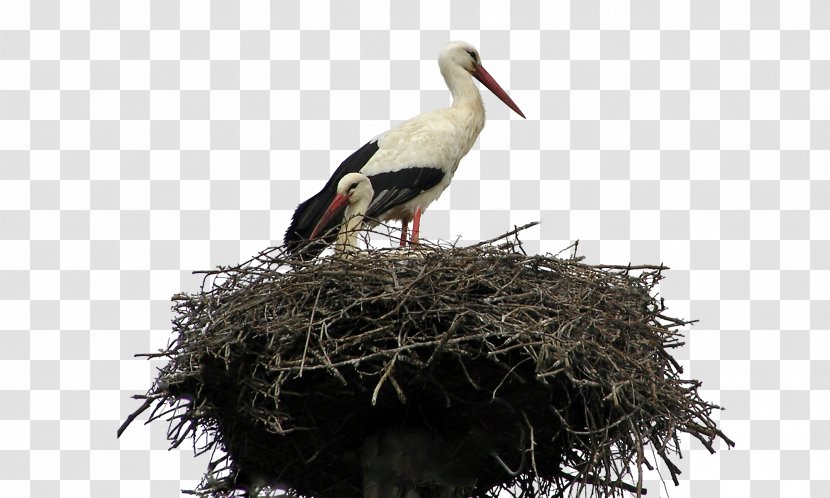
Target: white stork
410	165
354	193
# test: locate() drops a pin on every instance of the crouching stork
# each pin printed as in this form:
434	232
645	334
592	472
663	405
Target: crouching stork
354	193
410	165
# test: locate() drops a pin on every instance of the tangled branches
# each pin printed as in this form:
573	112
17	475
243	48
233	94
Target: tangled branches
546	375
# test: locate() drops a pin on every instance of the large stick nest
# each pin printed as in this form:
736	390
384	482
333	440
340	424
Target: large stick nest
561	369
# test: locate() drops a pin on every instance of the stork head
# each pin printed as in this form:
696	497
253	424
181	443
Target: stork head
353	189
462	55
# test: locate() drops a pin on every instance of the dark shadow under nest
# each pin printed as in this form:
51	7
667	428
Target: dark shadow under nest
556	369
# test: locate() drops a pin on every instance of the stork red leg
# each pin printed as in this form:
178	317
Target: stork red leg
404	230
416	227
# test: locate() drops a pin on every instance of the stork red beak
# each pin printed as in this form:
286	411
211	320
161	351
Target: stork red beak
484	77
337	206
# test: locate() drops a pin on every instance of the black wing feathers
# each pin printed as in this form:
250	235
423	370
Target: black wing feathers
397	187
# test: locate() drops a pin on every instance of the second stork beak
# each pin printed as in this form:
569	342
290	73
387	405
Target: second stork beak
484	77
337	206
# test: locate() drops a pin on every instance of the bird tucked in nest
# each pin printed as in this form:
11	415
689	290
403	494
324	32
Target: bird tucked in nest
354	193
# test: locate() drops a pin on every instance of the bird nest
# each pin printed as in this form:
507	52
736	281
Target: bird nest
544	375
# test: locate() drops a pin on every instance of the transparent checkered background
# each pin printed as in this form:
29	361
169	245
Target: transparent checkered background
142	140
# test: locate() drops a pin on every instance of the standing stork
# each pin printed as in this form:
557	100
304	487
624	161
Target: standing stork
410	165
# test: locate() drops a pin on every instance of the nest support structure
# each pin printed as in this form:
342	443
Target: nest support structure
540	375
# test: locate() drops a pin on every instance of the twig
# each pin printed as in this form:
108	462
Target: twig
506	235
308	332
147	403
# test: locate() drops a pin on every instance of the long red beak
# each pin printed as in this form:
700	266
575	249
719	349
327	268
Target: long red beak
336	207
484	77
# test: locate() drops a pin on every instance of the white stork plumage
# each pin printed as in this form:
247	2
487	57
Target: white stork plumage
410	165
354	193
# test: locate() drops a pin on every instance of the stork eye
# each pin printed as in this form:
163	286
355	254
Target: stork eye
352	186
473	55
